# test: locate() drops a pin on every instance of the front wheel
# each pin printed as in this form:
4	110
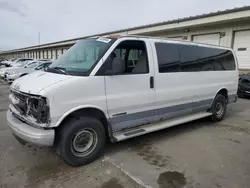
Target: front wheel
81	141
219	108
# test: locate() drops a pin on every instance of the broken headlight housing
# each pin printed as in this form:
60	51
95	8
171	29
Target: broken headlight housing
33	109
38	110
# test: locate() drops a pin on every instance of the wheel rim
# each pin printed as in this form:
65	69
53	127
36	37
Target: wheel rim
84	142
219	109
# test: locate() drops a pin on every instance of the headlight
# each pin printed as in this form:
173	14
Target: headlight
33	109
38	109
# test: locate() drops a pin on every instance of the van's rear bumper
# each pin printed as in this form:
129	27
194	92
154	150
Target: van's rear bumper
29	134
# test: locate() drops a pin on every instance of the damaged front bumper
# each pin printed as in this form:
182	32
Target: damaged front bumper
27	133
31	109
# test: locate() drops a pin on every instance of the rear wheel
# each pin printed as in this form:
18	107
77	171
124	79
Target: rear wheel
81	141
219	107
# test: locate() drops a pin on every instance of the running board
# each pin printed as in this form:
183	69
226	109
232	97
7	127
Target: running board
126	134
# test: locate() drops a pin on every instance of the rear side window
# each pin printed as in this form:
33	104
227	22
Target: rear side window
212	59
188	58
168	57
193	58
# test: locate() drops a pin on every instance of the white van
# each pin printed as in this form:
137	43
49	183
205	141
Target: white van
108	88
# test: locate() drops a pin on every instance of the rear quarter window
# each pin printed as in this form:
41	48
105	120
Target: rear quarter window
193	58
219	59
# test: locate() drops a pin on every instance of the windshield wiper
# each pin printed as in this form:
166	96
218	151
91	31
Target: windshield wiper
57	69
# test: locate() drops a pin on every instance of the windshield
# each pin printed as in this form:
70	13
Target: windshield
43	66
20	64
80	59
33	64
13	59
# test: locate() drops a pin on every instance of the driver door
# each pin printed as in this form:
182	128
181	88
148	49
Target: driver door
130	93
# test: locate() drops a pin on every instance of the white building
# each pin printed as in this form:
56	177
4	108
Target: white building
229	28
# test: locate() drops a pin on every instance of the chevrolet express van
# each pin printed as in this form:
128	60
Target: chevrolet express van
108	88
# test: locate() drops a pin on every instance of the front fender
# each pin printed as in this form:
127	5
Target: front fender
59	121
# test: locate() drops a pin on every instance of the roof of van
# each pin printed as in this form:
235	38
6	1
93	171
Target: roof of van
168	39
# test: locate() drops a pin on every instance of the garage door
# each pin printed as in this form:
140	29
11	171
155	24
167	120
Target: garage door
207	39
54	54
41	55
58	53
49	54
242	48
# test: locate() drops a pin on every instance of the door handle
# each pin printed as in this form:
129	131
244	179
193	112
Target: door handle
151	82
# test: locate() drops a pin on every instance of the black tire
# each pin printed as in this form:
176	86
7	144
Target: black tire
219	107
69	133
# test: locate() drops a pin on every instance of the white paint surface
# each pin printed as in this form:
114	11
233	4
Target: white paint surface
125	93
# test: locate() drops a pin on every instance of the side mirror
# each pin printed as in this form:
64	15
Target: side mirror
118	66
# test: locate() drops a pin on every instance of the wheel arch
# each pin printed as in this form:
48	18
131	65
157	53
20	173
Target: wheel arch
222	91
23	74
90	111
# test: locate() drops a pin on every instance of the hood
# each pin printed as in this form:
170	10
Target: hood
4	61
20	70
13	69
35	82
5	69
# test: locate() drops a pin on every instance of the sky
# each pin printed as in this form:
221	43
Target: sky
22	20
